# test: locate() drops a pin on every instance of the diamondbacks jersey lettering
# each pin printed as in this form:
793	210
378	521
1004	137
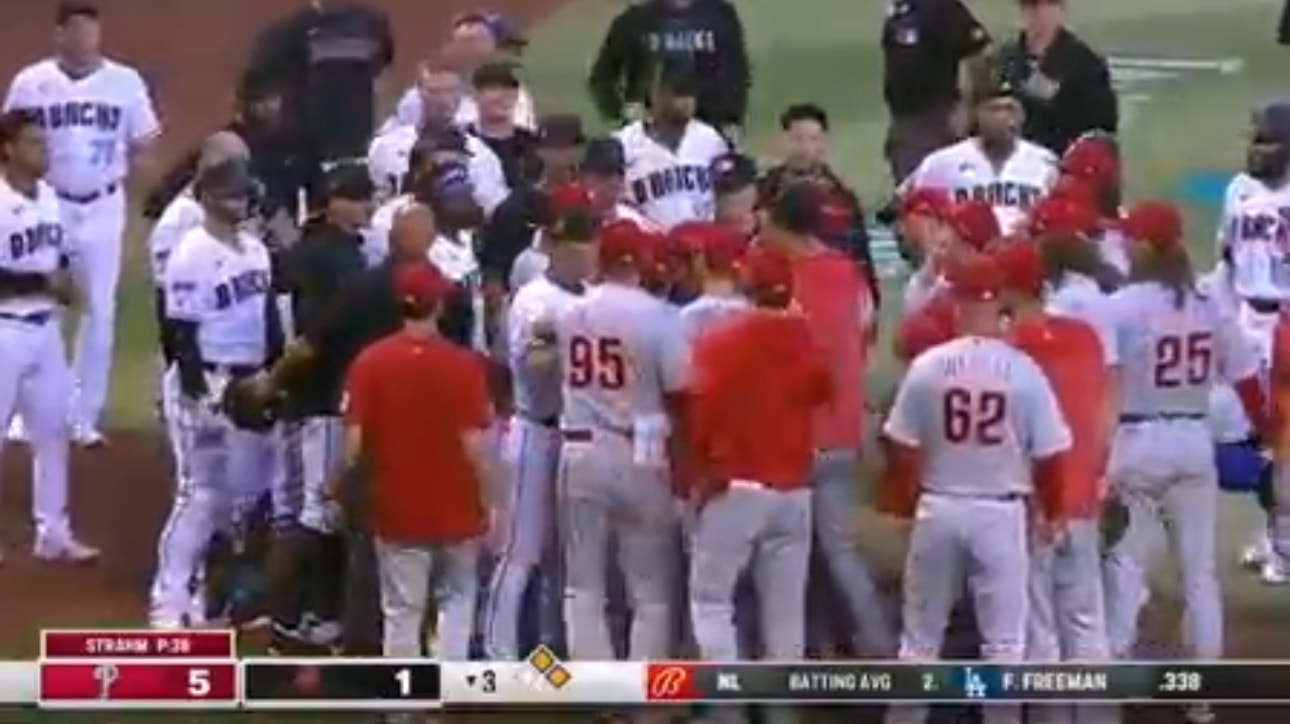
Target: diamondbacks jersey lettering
222	290
965	172
1170	359
539	302
90	122
1255	229
979	411
671	186
707	312
33	241
620	352
389	154
180	216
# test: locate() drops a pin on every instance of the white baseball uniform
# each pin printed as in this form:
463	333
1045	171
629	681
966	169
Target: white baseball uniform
621	351
671	186
1255	230
388	155
708	311
532	452
456	259
1162	460
1079	297
979	411
532	262
964	171
221	288
34	377
408	111
93	123
376	237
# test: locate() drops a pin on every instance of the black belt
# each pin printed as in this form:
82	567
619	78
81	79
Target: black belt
234	371
997	497
586	434
91	197
1264	306
1132	419
35	319
551	422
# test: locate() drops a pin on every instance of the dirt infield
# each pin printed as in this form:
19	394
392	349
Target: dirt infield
189	52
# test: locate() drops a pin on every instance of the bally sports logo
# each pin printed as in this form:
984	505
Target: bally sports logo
671	682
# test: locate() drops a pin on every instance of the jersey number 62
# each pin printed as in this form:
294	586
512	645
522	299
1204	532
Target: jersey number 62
974	417
599	361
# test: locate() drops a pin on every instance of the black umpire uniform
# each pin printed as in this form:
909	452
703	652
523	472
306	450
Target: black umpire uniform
705	37
326	58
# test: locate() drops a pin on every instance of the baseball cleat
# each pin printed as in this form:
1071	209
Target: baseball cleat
1274	571
1256	553
67	550
88	437
17	431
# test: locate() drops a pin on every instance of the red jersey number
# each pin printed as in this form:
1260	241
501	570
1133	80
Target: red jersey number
1184	359
974	417
598	361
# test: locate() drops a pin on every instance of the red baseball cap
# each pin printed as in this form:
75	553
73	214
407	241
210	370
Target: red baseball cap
768	276
1091	159
718	246
974	222
1062	216
975	278
421	285
1158	223
1021	267
568	196
620	244
926	202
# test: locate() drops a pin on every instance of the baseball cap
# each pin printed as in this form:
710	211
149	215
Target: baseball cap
973	222
495	75
569	214
995	88
1092	158
718	246
1021	266
1158	223
926	201
420	286
230	178
69	9
451	177
1062	216
768	277
349	181
976	278
505	31
560	130
733	172
621	244
604	157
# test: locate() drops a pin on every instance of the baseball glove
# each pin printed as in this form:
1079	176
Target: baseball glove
1113	524
248	410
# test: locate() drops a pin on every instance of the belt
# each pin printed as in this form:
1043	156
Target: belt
1264	306
35	319
1133	419
234	371
551	422
587	434
91	197
1008	497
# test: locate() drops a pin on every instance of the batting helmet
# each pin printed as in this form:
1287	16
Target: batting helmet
1241	467
1268	155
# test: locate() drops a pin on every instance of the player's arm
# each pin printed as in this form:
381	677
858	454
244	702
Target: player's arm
903	436
1106	328
186	298
476	438
142	129
531	338
487	177
506	234
1239	366
1049	438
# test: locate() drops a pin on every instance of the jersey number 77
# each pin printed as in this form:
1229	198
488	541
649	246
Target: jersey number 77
597	361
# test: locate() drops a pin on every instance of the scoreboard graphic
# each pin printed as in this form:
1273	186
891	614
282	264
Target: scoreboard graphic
141	670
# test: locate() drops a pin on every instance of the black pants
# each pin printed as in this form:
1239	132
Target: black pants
361	619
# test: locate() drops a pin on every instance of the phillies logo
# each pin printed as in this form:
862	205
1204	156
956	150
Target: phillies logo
669	682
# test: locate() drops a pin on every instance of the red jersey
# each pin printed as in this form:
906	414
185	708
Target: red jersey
1071	356
414	399
931	324
838	307
758	382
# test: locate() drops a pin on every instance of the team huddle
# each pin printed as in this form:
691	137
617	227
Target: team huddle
683	413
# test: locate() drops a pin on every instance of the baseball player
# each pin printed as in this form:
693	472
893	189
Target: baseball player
753	495
389	155
376	238
219	301
995	165
977	424
965	227
34	286
1093	162
533	441
621	360
1253	275
718	251
99	120
1066	619
668	156
1174	346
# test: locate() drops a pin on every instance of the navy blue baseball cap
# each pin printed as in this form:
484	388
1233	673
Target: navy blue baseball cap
451	178
604	157
733	172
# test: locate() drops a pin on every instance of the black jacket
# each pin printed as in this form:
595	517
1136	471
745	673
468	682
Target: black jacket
508	232
1084	101
1283	26
707	38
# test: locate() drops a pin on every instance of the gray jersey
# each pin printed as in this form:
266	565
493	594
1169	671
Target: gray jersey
1170	358
979	411
621	350
537	392
706	312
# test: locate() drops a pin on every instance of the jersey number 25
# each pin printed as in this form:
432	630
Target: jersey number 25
598	361
1184	358
974	417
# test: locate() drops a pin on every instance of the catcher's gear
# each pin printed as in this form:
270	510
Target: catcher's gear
248	410
1241	467
1113	523
1268	155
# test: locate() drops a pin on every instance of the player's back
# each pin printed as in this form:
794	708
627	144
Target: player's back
707	312
537	391
984	405
611	353
1171	356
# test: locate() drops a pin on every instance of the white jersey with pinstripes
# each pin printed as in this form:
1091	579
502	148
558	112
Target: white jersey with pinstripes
34	242
221	288
539	302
